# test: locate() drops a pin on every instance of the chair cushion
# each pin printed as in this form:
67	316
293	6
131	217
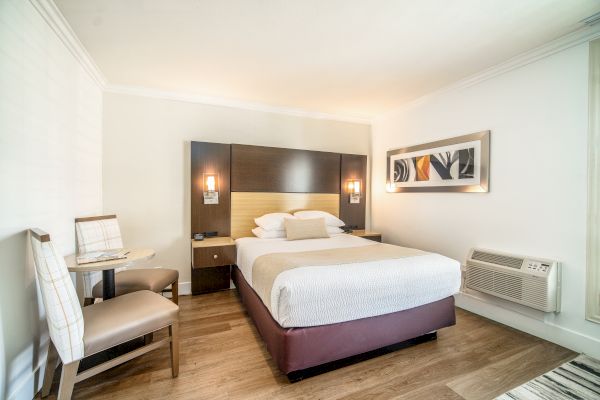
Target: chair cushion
126	317
132	280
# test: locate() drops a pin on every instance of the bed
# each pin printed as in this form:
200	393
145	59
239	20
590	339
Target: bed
318	301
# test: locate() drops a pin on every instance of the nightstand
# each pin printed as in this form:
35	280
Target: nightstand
375	236
211	264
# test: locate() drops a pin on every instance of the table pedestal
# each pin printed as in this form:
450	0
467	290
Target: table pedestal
108	284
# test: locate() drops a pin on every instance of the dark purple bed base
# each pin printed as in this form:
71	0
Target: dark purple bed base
297	349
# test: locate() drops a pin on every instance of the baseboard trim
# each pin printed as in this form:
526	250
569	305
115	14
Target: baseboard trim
560	335
27	386
185	288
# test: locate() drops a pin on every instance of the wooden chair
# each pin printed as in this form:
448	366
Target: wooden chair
77	332
102	233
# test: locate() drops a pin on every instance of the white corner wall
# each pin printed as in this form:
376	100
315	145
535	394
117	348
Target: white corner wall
146	169
50	172
538	116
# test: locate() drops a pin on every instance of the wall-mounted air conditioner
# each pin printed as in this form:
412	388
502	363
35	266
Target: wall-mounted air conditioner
533	282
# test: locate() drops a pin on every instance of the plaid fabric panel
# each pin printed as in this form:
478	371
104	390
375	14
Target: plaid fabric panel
63	312
98	235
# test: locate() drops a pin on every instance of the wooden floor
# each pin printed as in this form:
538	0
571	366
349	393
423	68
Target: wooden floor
222	357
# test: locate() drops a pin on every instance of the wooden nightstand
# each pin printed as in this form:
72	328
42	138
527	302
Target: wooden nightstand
375	236
211	264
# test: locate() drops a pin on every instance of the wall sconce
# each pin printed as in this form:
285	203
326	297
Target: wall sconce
354	188
211	188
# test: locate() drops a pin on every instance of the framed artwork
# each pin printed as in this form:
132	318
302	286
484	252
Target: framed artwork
459	164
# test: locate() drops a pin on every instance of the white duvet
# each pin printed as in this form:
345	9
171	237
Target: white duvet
321	295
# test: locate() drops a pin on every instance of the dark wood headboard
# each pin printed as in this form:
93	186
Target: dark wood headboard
211	158
260	169
353	166
273	169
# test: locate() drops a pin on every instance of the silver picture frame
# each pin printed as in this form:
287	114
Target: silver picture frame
482	164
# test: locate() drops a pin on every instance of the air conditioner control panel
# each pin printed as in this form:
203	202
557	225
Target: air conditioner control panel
535	267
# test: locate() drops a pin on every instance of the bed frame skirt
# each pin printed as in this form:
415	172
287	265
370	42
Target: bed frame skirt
297	349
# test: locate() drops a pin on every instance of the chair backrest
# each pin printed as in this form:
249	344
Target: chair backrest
63	312
98	233
95	234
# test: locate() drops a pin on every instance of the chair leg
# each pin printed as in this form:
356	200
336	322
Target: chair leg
67	380
50	368
88	301
174	334
175	292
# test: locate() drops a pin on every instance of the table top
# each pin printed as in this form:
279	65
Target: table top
134	256
214	241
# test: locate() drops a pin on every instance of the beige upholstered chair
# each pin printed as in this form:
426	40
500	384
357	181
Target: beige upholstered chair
76	333
102	233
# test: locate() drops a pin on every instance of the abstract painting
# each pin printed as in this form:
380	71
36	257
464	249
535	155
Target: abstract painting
459	164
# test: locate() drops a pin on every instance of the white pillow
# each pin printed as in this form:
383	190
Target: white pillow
273	221
330	220
265	234
333	230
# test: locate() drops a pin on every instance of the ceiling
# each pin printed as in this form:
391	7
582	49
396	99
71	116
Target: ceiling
346	57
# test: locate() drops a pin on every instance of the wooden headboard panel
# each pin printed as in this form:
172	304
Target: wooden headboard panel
255	180
210	158
277	170
245	206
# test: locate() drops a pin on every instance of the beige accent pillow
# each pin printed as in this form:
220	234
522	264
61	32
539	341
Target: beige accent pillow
298	229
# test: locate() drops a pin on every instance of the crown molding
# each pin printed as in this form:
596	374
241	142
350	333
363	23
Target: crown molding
52	15
232	103
54	18
582	35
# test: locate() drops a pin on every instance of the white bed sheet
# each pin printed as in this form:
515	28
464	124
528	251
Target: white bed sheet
322	295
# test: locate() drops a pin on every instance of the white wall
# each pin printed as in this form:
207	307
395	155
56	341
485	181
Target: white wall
146	169
50	172
537	201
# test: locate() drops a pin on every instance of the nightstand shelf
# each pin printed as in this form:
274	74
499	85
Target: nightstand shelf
211	264
375	236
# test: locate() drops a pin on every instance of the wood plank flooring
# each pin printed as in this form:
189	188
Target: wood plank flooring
223	357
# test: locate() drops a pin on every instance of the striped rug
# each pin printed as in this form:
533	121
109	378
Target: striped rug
576	379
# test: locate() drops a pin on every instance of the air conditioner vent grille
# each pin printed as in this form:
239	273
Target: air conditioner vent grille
523	289
498	259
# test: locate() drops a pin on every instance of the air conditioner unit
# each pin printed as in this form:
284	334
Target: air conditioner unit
533	282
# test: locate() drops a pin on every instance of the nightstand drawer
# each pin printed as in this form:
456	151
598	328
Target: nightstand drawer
213	256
